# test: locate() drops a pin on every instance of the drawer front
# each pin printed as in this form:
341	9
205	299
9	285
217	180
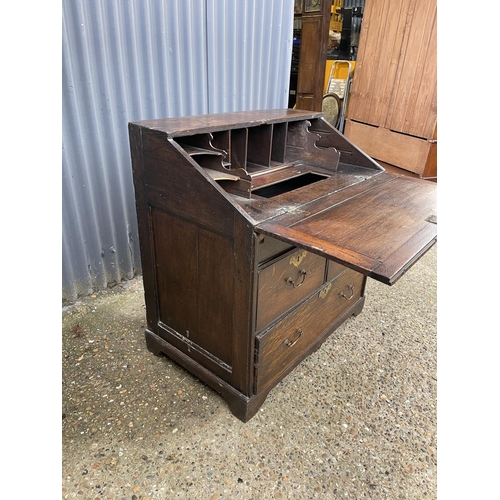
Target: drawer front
286	282
280	346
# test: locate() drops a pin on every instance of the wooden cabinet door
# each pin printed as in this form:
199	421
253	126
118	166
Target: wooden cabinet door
392	111
312	57
395	80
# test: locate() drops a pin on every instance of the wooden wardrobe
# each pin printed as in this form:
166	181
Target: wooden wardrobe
392	112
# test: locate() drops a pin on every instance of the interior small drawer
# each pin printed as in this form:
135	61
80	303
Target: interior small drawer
280	346
287	281
269	248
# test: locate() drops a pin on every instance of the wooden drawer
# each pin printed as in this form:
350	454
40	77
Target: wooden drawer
280	346
285	282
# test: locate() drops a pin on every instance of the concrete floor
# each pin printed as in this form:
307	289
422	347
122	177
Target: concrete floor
357	419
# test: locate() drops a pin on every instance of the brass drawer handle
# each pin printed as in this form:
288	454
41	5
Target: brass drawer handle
299	332
290	280
342	294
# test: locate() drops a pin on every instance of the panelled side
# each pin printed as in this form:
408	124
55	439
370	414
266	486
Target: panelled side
195	296
196	269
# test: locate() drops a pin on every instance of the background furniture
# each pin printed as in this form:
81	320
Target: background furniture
314	19
392	113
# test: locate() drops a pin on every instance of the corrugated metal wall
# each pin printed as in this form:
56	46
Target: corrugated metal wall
353	3
127	60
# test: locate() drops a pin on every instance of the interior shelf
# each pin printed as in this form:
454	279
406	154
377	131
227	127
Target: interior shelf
193	151
253	157
221	176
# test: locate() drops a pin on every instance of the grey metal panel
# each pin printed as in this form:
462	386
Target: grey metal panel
353	3
135	59
253	70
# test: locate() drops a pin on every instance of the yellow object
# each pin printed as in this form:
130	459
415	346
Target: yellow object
336	19
340	72
338	76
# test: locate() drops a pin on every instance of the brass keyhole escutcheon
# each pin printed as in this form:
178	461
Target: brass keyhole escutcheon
325	291
297	258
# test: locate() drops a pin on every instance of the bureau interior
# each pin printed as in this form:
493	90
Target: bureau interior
270	159
288	184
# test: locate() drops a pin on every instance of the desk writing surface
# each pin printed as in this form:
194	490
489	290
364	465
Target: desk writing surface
379	231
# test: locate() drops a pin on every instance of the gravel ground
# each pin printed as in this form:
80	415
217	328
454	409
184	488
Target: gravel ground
357	419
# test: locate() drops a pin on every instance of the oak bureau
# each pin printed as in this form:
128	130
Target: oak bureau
258	231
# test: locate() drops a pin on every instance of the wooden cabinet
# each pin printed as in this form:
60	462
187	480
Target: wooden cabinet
314	17
258	231
392	112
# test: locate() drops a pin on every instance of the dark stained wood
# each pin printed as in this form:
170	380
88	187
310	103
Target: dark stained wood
308	200
190	125
243	303
199	355
280	131
238	147
177	278
312	57
398	227
292	278
144	225
221	141
279	346
271	176
354	309
191	202
301	145
270	248
215	294
242	284
242	407
259	145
